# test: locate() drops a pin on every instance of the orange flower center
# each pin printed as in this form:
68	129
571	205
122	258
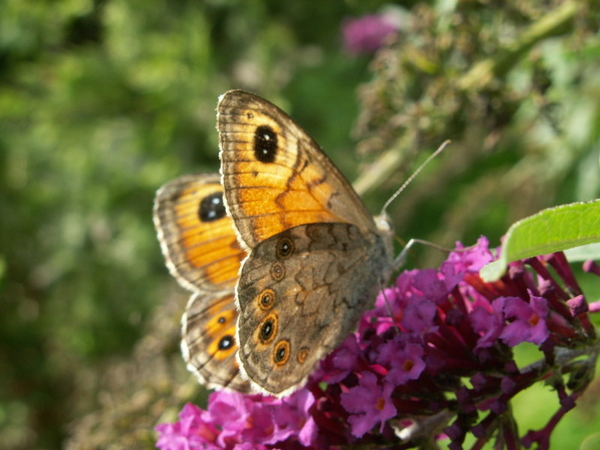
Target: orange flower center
534	319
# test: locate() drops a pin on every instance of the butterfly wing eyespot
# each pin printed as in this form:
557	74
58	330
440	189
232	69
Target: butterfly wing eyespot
285	248
268	329
212	208
302	355
277	271
265	144
227	342
281	353
266	299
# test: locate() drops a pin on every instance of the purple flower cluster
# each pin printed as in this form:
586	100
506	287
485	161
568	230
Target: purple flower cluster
368	33
401	379
241	422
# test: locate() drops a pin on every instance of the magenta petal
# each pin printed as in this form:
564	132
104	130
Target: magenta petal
369	403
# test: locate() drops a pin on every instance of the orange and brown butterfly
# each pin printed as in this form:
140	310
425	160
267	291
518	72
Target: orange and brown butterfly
315	256
199	243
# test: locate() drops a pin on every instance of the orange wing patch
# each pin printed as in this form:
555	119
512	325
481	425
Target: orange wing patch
209	341
220	327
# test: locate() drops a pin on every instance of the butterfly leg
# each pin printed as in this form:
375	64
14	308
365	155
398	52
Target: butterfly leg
401	258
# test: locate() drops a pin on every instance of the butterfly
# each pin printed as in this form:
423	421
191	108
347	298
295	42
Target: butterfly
280	252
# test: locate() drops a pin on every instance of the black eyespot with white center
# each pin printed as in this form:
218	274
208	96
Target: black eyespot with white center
285	248
281	353
267	330
266	299
212	208
226	342
265	144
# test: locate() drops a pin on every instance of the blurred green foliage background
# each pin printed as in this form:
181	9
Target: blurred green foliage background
103	101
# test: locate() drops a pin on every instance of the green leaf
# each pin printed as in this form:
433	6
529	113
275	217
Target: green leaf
551	230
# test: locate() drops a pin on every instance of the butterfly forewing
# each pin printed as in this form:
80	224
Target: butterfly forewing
275	176
196	234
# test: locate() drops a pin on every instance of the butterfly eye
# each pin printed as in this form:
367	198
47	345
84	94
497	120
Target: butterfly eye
268	329
265	144
266	299
281	354
285	247
212	208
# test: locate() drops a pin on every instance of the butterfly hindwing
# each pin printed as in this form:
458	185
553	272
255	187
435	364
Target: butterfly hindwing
301	292
208	341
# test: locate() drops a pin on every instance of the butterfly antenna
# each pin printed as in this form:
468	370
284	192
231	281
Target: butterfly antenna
415	173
